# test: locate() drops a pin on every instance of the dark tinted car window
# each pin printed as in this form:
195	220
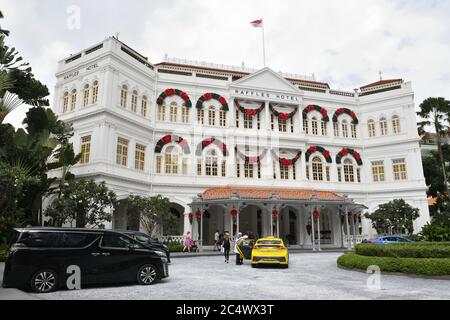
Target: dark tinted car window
77	240
40	239
112	240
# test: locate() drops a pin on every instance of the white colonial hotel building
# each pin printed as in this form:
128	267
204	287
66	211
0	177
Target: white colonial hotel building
237	149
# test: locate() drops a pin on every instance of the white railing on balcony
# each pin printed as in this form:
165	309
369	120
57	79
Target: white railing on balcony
242	68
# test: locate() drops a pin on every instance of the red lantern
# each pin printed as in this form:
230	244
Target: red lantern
316	213
198	214
234	213
275	213
190	217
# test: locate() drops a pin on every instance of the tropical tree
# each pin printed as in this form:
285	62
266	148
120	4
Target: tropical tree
2	31
433	172
393	217
435	112
85	202
152	212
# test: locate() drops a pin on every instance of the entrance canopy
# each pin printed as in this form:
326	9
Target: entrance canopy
231	196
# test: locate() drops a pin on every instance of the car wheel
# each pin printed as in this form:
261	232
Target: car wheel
44	281
147	274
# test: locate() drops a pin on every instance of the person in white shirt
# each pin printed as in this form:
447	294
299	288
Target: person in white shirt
216	240
238	255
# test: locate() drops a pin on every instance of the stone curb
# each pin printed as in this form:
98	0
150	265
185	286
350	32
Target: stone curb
210	254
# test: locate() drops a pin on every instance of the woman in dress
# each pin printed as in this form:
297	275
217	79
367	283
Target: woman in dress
187	242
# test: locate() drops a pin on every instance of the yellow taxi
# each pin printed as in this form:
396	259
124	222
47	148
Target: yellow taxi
270	250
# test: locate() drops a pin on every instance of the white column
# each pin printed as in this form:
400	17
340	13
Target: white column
313	231
318	231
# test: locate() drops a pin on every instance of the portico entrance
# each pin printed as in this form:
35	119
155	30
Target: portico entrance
301	217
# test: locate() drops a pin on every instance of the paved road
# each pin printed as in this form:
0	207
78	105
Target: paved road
310	276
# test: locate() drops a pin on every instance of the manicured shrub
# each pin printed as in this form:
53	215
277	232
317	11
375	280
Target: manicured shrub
174	246
429	267
434	232
413	250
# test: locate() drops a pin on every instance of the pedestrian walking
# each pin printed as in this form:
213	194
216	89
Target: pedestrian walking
187	242
226	245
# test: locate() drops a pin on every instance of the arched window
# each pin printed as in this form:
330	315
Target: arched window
212	116
211	163
323	125
134	99
73	99
223	118
124	96
349	171
173	112
85	95
185	114
66	102
144	106
314	126
371	128
95	92
396	124
171	159
317	169
383	126
344	128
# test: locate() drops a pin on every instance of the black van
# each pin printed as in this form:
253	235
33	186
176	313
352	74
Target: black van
43	259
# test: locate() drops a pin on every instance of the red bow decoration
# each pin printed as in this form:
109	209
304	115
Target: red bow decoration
316	213
190	216
283	116
234	213
285	162
275	213
250	112
170	92
167	139
344	152
198	214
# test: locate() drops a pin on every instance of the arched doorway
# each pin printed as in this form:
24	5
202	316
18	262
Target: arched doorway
177	227
253	221
289	225
213	220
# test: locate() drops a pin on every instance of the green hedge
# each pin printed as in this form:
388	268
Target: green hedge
429	267
413	250
174	246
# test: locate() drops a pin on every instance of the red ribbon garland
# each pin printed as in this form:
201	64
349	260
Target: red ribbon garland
250	159
282	115
250	112
287	162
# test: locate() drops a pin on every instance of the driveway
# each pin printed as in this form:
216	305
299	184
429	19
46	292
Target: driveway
310	276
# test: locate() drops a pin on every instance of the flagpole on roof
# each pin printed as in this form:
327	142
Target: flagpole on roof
264	44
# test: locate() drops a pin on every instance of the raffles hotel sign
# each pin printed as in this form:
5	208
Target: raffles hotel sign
243	93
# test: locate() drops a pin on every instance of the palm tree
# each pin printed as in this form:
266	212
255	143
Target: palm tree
436	113
5	32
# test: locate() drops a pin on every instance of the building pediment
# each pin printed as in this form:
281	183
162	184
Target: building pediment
266	80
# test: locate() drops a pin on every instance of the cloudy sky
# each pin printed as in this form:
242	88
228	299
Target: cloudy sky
345	43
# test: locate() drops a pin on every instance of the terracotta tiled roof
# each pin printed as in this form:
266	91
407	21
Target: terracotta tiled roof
382	82
265	193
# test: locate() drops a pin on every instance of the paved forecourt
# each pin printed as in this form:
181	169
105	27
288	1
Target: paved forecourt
310	276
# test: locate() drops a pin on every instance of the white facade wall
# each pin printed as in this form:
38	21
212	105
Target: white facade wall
107	120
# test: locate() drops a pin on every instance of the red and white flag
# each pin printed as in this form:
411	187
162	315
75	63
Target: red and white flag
257	23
